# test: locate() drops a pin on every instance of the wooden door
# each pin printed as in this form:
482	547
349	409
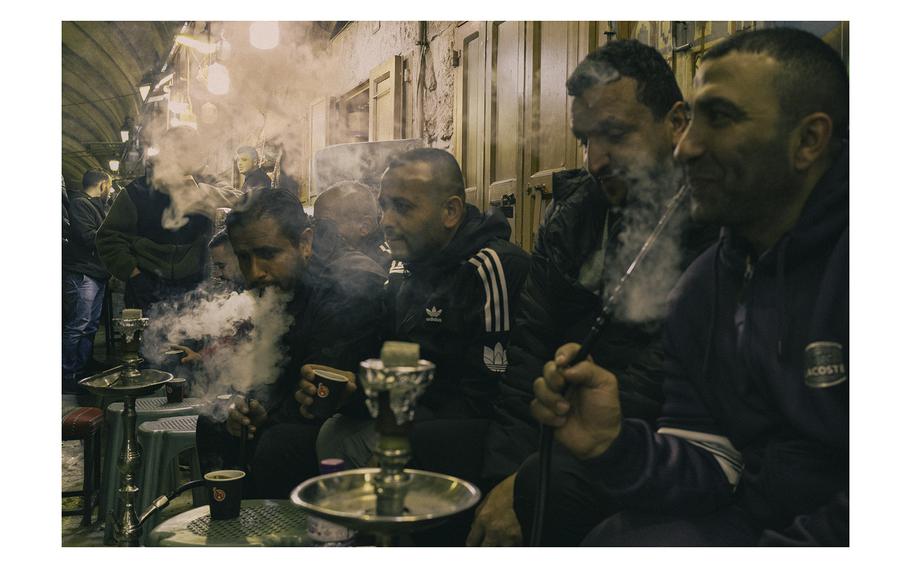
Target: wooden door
504	108
469	108
552	50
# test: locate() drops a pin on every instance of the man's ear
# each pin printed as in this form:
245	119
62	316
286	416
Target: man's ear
453	209
306	243
811	138
677	120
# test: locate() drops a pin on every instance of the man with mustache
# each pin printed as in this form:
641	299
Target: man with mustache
627	111
752	442
336	305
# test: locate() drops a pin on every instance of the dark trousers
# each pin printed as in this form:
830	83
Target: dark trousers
83	297
577	513
454	447
278	459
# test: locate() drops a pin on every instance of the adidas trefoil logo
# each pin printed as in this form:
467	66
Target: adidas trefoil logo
495	359
434	314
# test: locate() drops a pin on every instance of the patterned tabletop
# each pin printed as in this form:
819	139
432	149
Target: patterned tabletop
262	522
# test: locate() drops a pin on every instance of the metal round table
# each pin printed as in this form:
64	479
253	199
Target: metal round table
262	522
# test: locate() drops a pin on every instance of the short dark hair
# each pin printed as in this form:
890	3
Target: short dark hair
447	177
346	198
220	238
657	88
92	178
813	76
278	204
249	151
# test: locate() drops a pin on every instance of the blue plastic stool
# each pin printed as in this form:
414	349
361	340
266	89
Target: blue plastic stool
162	441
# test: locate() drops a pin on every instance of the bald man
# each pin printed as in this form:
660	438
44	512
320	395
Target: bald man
351	208
451	289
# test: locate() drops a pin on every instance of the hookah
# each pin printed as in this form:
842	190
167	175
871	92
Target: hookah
128	382
389	500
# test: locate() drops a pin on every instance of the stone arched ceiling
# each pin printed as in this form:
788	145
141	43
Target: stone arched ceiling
103	64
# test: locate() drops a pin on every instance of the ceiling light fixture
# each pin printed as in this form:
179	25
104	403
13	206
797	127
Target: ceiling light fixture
264	35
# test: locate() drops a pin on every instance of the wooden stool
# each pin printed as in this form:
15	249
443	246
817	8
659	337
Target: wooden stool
84	423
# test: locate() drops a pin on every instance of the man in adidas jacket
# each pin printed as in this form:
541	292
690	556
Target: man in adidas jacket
452	289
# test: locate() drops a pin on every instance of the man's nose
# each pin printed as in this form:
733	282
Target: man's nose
690	146
257	271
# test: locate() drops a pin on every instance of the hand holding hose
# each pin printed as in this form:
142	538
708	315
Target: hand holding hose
242	415
580	402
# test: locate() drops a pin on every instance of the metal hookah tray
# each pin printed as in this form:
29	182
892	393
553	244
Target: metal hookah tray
111	383
349	499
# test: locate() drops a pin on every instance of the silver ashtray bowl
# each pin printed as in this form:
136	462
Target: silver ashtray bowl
348	498
112	384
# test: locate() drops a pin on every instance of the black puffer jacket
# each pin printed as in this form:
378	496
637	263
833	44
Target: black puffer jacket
458	307
554	309
255	179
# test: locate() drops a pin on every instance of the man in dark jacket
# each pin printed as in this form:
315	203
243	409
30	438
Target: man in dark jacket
84	277
451	290
156	236
352	207
752	443
628	113
336	307
254	177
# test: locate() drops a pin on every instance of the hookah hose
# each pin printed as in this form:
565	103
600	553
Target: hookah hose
546	432
244	433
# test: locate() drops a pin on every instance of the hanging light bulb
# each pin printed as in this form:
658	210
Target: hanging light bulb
264	35
114	165
219	80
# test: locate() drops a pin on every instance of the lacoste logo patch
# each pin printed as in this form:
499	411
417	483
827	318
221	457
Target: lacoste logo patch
495	358
824	365
434	314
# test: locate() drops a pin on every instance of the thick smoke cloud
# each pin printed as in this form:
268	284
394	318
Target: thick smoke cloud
644	295
241	333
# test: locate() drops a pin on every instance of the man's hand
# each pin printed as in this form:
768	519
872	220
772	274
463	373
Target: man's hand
495	523
136	272
307	389
253	416
581	403
189	356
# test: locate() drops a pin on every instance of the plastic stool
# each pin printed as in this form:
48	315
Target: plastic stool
84	423
162	441
147	409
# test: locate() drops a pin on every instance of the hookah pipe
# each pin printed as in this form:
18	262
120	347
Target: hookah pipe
546	432
162	502
244	432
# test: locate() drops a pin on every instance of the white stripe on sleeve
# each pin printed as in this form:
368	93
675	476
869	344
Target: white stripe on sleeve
729	458
487	309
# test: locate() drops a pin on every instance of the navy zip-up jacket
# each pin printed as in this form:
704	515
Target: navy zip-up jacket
740	425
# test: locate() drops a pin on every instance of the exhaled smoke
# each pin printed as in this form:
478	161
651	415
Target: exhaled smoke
238	336
644	296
